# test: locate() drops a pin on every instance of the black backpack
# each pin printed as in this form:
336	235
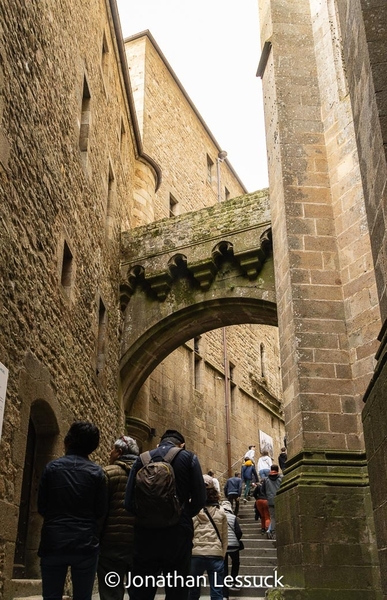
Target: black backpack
157	504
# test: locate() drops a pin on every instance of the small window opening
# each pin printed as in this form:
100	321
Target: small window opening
101	340
67	269
198	366
210	168
85	119
232	388
122	136
263	365
110	202
105	60
173	206
226	194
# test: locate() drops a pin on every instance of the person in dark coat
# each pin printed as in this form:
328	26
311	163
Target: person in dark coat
282	458
233	491
72	498
167	550
249	475
116	540
270	487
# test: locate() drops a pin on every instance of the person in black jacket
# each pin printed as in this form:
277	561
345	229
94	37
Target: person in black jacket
167	550
72	498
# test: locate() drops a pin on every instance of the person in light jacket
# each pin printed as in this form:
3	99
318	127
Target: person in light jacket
210	544
264	464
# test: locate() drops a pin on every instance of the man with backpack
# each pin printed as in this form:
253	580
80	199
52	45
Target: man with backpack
165	490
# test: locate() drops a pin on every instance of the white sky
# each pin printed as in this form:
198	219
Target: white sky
213	47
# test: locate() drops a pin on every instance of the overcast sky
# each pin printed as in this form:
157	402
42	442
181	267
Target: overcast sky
213	47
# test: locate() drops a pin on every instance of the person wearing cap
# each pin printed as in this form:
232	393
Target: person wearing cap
116	540
210	544
167	550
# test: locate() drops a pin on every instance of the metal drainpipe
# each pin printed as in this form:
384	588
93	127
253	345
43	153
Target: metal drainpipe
221	156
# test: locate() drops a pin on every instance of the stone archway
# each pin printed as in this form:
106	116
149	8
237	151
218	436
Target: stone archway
188	279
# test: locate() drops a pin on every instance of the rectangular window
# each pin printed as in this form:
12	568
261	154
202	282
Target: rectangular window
105	62
226	194
232	388
110	205
84	129
173	206
210	168
198	366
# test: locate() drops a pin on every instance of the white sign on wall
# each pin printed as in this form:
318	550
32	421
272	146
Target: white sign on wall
266	443
3	391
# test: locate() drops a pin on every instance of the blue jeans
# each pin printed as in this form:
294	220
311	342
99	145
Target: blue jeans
247	488
263	473
54	571
215	570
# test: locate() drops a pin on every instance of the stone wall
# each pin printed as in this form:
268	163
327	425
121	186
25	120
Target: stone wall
61	213
328	309
174	134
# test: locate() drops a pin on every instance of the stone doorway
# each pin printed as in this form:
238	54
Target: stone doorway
41	439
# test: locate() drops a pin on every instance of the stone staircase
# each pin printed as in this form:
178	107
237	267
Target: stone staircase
258	559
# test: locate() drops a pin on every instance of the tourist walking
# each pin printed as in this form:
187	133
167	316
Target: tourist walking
249	474
168	549
233	547
270	487
209	544
264	464
282	458
233	491
262	507
116	540
211	473
250	453
72	498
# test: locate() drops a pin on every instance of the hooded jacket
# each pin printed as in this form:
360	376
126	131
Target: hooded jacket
271	485
205	540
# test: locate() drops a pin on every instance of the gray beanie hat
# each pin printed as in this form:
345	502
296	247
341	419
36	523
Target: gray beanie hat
127	445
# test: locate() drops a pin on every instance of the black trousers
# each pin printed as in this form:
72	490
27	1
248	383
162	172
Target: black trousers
163	554
235	562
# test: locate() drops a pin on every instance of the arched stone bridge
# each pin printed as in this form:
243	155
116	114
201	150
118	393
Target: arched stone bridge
193	273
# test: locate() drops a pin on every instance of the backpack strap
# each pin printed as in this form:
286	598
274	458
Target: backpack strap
145	458
170	455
